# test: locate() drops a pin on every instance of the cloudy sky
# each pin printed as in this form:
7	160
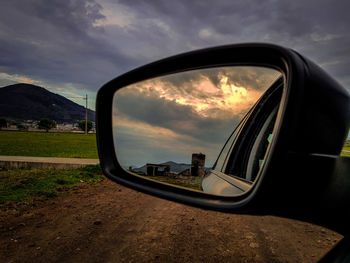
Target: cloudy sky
169	118
73	47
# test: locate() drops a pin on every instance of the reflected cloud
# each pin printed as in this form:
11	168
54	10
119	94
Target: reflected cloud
138	143
176	115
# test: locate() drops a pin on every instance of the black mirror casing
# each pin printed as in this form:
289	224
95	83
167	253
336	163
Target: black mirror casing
303	170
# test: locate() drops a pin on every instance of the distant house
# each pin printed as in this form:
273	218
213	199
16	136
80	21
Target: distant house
157	169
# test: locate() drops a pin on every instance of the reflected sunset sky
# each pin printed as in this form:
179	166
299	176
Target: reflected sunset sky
168	118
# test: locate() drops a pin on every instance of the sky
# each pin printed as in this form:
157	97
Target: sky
168	118
73	47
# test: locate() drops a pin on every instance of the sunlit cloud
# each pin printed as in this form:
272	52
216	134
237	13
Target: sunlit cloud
77	95
14	78
171	117
210	35
115	15
231	96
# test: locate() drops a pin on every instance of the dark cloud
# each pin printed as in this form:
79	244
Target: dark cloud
165	117
76	41
57	41
181	119
172	102
317	29
190	132
88	42
249	77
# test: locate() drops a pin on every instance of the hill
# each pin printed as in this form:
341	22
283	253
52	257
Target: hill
30	102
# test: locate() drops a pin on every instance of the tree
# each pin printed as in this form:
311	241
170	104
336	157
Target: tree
21	127
46	124
81	125
3	123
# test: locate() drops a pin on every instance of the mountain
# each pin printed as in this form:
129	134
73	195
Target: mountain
30	102
174	167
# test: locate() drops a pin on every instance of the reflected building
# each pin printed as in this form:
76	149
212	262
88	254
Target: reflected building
157	169
198	164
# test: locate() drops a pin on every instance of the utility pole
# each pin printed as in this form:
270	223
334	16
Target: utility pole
86	114
86	109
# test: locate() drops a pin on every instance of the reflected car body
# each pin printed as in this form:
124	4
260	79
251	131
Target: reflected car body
242	157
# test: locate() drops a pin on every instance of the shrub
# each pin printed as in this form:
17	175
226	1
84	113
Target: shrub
46	124
81	125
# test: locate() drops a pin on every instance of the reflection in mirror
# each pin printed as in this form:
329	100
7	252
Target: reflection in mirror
173	128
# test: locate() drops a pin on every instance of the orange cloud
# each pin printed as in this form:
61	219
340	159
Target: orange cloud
224	99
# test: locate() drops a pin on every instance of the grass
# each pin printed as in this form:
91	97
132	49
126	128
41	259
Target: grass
192	183
26	185
43	144
346	147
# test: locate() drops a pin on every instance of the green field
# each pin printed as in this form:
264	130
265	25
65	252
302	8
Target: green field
25	185
43	144
346	148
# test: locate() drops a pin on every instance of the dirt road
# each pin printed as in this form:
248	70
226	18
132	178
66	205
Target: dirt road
109	223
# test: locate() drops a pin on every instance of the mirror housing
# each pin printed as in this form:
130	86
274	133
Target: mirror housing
303	163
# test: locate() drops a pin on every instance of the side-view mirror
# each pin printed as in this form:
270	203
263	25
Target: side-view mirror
250	128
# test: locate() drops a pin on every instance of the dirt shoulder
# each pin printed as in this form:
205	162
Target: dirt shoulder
106	222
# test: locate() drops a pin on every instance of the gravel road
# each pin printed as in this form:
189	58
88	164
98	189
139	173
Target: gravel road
110	223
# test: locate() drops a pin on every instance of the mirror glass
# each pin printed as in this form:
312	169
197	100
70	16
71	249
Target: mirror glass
173	128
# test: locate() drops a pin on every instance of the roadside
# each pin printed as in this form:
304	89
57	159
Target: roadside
106	222
26	162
